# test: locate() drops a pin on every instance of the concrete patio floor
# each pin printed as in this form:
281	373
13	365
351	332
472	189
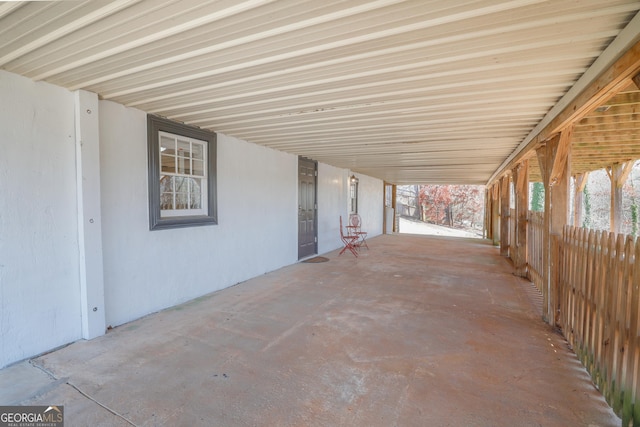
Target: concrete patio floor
418	331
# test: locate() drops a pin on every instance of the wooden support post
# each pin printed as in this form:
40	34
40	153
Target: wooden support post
521	185
394	196
504	215
495	214
618	174
384	207
542	154
555	169
487	214
485	226
578	199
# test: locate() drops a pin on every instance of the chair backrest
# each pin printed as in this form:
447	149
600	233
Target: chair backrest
344	236
355	220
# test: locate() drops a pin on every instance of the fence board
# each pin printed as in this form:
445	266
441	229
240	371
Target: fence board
599	312
513	233
631	409
591	337
535	248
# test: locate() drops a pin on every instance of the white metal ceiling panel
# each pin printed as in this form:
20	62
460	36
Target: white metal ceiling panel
423	91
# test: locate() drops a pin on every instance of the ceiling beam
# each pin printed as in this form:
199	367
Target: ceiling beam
607	76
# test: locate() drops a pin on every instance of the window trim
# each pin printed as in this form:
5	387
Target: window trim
155	125
353	194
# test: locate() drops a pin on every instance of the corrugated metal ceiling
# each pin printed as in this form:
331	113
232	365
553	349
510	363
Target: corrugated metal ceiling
405	91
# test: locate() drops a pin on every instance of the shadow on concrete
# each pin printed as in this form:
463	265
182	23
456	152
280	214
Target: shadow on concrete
417	331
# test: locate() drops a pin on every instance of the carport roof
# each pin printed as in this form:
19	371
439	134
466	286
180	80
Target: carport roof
424	91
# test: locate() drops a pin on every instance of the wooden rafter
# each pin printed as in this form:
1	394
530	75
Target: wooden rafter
602	90
561	148
521	179
581	181
619	172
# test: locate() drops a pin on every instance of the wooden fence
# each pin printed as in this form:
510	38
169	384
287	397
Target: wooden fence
535	248
599	299
513	227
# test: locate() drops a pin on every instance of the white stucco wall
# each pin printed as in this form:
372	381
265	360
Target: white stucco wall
370	204
146	271
332	203
39	284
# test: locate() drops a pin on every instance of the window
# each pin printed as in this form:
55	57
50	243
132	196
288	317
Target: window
182	175
353	195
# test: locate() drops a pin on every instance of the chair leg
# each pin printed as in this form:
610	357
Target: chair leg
364	242
361	241
353	250
349	244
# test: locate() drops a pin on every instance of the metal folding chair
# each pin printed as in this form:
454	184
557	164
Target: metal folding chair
349	241
355	228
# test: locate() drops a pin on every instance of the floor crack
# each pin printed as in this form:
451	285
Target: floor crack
75	387
101	404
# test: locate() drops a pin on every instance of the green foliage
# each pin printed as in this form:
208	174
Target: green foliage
537	197
586	222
